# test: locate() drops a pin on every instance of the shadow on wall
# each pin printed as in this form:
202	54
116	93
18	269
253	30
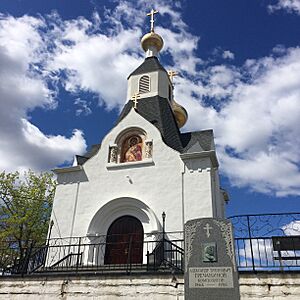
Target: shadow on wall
72	177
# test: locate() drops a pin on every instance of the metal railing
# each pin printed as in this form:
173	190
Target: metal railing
89	255
265	242
262	243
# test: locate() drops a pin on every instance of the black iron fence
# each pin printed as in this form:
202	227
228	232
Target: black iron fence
262	243
267	241
98	254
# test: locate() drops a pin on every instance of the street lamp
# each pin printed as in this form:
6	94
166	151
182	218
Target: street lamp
163	241
164	219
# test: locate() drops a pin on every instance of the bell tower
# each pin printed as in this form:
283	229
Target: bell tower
151	79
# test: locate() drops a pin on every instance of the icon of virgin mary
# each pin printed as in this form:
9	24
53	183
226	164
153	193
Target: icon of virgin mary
134	151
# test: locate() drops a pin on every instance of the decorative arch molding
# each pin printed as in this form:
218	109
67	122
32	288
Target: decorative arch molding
128	132
120	207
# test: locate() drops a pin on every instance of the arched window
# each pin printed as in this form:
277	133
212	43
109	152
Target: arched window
144	84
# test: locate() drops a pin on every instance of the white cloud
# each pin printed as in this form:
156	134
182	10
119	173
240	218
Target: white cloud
228	54
245	106
23	88
82	107
253	109
292	228
96	63
257	123
291	6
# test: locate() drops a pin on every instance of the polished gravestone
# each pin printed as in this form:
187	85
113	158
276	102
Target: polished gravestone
210	267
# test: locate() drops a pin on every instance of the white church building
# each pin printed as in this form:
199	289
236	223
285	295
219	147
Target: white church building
145	177
120	210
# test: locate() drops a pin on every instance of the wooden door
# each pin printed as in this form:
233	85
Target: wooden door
124	241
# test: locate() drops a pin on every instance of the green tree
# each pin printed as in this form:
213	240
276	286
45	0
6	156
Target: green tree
25	208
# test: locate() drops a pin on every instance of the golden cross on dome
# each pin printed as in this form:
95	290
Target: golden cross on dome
152	13
134	100
172	74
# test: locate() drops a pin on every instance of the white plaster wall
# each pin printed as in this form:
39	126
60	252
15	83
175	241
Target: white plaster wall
268	286
159	85
198	202
157	183
220	202
63	209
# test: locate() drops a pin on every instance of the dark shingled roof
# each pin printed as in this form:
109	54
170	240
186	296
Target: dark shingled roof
150	64
81	159
157	111
198	141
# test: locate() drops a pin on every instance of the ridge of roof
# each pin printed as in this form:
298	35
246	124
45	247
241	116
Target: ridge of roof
150	64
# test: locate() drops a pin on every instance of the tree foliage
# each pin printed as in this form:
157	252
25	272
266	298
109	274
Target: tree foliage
25	207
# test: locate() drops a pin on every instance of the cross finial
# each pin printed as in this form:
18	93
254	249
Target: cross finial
134	99
151	14
172	74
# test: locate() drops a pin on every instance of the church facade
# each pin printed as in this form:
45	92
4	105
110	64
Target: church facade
144	168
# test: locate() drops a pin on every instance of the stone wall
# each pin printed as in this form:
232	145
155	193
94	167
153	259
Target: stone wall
279	286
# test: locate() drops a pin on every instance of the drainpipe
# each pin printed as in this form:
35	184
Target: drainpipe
182	195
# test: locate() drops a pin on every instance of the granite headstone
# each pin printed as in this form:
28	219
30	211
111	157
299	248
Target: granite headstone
210	267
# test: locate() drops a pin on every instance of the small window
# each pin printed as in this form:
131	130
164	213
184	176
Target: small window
144	84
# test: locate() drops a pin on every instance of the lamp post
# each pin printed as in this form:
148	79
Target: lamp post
163	241
164	219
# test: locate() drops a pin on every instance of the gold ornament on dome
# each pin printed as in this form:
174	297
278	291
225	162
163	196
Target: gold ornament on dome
180	114
152	39
179	111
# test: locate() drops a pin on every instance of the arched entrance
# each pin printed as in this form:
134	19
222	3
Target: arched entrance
124	241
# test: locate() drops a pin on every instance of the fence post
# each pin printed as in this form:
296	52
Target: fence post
147	260
128	268
78	255
25	265
251	247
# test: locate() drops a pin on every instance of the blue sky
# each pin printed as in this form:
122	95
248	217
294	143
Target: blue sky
63	70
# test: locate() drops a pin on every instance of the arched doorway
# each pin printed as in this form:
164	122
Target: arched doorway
124	241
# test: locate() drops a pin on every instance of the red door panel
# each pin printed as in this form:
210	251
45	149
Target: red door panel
124	242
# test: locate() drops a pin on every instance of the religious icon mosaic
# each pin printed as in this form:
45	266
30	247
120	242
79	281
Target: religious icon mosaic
133	149
131	146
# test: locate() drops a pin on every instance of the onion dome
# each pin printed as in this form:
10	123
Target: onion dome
180	114
152	40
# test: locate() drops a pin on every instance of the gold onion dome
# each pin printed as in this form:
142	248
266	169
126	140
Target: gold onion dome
180	113
150	40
